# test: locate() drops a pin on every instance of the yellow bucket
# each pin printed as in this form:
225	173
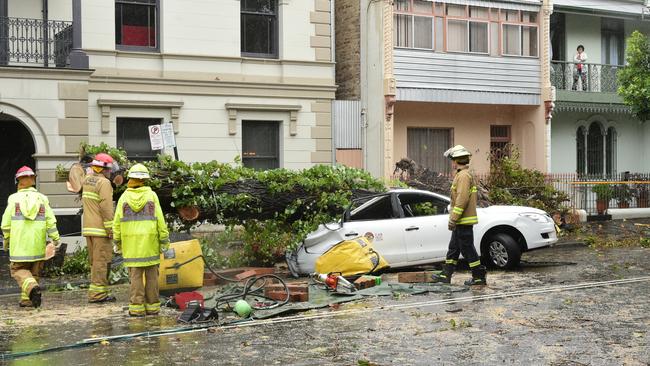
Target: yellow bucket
181	267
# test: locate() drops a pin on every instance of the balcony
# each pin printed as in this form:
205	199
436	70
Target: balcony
597	84
34	42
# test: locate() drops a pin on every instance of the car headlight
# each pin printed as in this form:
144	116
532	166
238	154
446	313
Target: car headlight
535	217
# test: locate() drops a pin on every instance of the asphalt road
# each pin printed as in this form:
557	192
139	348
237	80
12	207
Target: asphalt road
558	325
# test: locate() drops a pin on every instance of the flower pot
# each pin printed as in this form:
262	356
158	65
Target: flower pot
602	206
623	205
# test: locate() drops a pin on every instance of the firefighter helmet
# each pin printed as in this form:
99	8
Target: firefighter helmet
139	171
103	160
25	171
457	152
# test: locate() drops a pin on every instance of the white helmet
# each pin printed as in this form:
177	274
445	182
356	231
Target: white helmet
139	171
456	152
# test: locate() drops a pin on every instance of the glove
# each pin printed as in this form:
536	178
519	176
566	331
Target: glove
451	226
164	248
57	244
109	233
117	249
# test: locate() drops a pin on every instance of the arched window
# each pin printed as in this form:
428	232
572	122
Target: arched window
596	150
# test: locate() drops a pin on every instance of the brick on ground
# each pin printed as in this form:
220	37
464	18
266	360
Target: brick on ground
415	277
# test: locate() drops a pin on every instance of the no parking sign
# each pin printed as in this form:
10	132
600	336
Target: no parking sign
156	137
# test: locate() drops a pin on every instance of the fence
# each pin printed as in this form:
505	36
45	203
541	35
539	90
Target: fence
591	78
32	41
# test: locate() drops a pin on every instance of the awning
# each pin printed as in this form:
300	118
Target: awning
625	8
592	107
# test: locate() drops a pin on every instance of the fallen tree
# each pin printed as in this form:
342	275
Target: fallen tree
276	207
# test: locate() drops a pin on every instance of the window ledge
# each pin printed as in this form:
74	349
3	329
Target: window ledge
234	107
106	105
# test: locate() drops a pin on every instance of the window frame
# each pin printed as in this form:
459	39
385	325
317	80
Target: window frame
495	16
424	198
450	130
153	120
276	37
278	156
156	49
500	139
520	24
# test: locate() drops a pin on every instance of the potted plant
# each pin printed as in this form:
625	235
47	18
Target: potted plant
623	195
604	193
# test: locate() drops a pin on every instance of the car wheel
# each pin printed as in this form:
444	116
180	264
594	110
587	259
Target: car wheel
502	251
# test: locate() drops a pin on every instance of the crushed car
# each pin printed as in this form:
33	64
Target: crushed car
408	227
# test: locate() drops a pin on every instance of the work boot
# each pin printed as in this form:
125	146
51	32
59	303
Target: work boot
478	276
108	298
445	275
35	296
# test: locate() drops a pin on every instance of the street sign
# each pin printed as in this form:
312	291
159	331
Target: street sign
155	137
168	135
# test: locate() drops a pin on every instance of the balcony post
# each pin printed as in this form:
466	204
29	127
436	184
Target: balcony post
46	33
4	44
78	58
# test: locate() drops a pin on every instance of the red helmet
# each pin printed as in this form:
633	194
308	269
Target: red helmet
24	172
102	160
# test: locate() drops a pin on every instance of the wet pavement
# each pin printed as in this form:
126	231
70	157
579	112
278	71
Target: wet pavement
608	325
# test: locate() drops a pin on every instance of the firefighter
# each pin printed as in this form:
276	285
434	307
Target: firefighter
462	219
26	224
97	199
140	235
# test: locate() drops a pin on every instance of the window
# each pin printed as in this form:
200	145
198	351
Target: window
133	137
413	30
259	28
596	150
467	35
436	25
519	33
612	39
136	25
378	208
417	205
500	139
261	144
425	146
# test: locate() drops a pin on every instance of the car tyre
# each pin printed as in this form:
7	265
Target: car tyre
501	251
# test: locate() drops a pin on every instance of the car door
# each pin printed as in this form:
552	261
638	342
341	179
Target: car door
424	220
377	220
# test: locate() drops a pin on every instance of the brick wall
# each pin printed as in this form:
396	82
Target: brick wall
348	49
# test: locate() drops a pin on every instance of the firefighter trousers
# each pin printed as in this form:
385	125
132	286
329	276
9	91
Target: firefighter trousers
462	242
26	275
144	296
100	254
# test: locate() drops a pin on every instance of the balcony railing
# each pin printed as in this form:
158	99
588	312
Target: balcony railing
31	42
591	77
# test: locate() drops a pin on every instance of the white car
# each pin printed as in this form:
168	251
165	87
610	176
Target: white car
409	227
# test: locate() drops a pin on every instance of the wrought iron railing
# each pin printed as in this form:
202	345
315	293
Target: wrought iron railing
26	41
587	77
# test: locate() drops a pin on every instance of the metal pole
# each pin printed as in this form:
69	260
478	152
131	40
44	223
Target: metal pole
46	35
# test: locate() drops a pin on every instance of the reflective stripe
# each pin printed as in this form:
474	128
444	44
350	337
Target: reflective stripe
23	218
475	264
28	281
108	224
98	288
138	218
458	210
139	260
52	231
154	306
468	220
451	261
26	258
24	296
136	308
91	196
473	189
91	231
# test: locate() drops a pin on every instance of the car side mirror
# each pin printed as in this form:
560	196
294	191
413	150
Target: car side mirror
346	216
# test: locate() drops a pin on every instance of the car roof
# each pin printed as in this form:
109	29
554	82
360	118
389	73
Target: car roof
420	191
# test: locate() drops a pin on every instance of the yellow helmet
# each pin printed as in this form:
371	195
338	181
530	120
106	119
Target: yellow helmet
139	171
457	152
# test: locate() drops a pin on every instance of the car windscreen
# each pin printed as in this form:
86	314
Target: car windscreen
377	208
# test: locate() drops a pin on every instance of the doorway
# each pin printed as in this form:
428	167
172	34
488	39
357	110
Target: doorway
16	149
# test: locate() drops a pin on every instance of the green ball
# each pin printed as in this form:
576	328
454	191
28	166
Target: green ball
242	308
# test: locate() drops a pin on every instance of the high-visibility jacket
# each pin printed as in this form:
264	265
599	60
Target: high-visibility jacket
26	223
97	200
464	196
139	227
